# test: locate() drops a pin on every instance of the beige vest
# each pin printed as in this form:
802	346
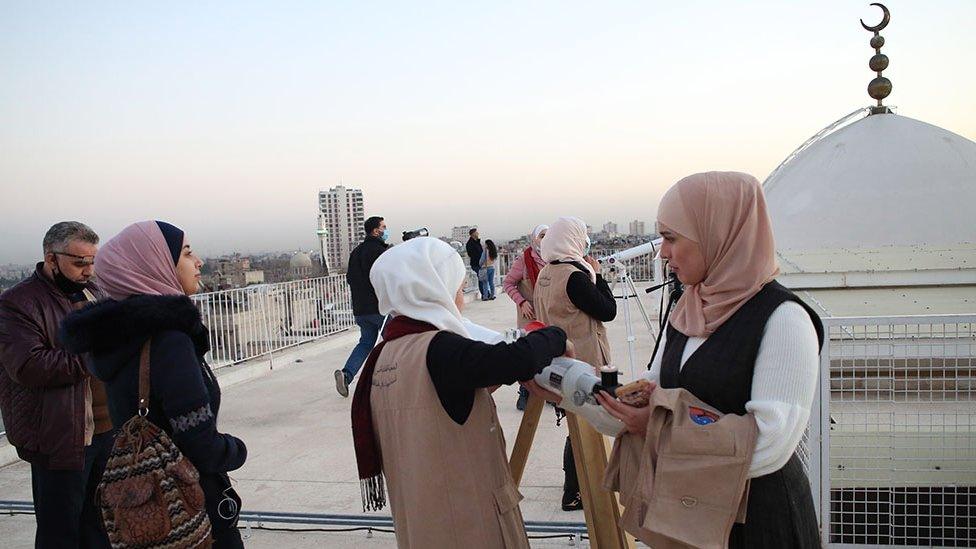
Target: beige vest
553	307
525	288
683	484
449	485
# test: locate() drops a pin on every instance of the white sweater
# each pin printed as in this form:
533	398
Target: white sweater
783	384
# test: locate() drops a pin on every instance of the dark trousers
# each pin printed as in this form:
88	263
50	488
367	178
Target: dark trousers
570	480
64	501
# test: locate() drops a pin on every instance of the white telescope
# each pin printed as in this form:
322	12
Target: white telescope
631	253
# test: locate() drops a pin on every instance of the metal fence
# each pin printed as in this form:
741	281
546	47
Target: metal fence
246	323
891	448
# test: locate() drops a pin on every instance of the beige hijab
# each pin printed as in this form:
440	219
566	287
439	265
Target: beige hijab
725	213
566	240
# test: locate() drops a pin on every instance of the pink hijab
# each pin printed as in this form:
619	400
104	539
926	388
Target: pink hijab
566	240
137	261
725	213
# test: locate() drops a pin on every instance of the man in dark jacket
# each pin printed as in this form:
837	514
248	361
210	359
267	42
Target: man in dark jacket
474	249
365	307
55	414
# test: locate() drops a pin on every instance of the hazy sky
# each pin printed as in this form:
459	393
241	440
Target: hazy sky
226	118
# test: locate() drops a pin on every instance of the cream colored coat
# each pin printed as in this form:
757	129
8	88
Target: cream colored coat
449	485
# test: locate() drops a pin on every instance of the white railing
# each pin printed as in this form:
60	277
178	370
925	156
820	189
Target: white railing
891	449
246	323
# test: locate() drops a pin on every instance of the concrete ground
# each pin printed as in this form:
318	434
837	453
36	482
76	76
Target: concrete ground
300	452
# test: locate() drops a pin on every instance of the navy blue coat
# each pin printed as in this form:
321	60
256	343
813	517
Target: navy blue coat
184	396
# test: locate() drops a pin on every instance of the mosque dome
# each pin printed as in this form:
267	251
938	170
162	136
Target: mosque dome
884	180
300	260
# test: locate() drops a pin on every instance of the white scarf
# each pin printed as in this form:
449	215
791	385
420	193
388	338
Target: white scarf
566	240
418	279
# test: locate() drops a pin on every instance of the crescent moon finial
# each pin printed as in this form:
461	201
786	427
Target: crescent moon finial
884	20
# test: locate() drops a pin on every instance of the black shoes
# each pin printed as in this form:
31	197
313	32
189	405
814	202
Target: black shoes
572	502
523	399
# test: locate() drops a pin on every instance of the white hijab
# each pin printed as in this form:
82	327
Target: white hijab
566	240
418	279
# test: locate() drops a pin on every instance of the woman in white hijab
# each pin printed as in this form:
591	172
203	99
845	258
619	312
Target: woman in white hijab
519	284
423	421
570	293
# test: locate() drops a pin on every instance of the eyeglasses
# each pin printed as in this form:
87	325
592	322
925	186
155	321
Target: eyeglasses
80	260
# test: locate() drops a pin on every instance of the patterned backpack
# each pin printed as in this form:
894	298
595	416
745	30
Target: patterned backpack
150	494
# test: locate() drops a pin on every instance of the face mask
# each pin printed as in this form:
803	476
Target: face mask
65	284
386	235
586	252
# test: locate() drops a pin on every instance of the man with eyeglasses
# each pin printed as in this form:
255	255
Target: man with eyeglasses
55	413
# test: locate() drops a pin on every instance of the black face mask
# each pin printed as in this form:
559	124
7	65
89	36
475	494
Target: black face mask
65	284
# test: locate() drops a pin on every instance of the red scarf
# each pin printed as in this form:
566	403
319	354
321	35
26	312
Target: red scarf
368	456
531	266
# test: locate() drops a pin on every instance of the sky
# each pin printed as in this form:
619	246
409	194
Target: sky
227	118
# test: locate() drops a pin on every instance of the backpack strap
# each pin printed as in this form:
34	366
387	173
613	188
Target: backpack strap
144	379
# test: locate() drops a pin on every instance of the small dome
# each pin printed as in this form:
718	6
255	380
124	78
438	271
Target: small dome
300	260
885	180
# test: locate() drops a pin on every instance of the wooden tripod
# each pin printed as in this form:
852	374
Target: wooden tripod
590	452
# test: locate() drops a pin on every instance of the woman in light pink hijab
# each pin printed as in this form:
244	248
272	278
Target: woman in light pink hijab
149	270
742	343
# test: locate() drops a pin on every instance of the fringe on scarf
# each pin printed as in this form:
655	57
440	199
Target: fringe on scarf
373	490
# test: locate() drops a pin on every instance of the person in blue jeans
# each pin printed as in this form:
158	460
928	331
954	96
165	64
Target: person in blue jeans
486	274
365	307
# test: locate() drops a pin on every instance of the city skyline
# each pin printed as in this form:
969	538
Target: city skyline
226	119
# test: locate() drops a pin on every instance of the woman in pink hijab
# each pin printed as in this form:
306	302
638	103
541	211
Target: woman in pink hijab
741	342
148	270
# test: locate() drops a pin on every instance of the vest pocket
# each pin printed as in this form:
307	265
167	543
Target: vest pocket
702	440
510	516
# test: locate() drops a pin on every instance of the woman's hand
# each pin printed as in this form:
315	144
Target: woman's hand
536	390
593	263
570	350
526	310
634	419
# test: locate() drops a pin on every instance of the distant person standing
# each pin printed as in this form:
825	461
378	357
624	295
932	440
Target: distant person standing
55	413
474	249
519	284
365	307
486	274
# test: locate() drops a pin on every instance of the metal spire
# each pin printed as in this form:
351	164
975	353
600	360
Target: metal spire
879	87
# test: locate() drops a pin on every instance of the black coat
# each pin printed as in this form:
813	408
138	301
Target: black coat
474	249
361	260
184	398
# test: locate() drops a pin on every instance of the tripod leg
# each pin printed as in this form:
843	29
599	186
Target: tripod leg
640	305
591	453
525	436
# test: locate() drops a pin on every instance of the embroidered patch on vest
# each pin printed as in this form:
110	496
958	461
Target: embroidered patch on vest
700	416
189	420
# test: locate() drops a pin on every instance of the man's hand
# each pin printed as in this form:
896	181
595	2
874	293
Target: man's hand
536	390
634	419
526	310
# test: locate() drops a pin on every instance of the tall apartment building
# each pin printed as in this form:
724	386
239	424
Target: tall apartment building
636	228
610	227
342	218
461	233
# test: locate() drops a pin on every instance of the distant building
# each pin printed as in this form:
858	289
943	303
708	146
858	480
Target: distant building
461	233
301	266
636	228
610	228
342	219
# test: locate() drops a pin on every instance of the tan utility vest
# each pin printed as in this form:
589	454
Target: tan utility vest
449	485
683	483
553	307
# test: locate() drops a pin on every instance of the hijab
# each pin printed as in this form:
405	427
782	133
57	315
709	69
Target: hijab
566	240
138	261
725	213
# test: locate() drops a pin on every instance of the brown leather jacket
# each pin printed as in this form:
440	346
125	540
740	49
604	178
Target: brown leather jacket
43	388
